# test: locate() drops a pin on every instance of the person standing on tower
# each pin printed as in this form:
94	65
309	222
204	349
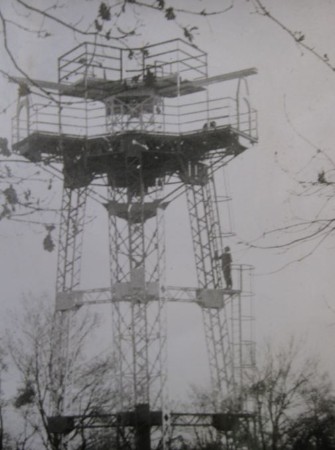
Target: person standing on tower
226	261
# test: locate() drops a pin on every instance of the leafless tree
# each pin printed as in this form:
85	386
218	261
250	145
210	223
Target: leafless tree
78	383
313	231
285	388
298	36
290	399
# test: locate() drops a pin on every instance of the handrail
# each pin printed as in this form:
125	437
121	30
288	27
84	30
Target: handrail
176	52
214	114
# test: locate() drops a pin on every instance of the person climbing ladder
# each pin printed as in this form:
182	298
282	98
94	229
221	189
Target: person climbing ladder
226	261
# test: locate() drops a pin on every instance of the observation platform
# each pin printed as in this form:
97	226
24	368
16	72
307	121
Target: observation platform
161	154
118	108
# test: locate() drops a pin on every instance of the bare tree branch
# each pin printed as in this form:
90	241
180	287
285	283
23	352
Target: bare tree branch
298	37
56	19
39	33
16	65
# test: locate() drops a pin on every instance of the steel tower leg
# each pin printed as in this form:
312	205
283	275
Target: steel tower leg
137	256
70	238
207	240
68	278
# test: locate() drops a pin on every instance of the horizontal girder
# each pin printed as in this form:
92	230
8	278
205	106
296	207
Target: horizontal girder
78	298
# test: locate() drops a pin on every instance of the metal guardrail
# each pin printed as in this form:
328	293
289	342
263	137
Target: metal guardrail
105	61
91	119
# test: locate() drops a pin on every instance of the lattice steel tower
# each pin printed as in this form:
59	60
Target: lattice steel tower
139	120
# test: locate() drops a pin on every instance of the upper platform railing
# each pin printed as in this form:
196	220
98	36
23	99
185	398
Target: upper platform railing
162	88
93	119
89	60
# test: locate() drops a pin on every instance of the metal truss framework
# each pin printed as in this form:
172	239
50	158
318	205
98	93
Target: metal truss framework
67	279
207	242
70	239
137	258
125	115
138	293
226	424
136	131
229	344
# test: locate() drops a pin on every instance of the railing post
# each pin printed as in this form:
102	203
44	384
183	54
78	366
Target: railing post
241	278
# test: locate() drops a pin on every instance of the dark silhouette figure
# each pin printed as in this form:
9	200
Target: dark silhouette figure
149	78
226	261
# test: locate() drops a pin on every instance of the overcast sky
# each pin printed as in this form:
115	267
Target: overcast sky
293	93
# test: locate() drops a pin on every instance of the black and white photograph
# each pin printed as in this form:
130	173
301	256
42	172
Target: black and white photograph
167	225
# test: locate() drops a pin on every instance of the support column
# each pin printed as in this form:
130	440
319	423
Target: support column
207	240
68	278
137	254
